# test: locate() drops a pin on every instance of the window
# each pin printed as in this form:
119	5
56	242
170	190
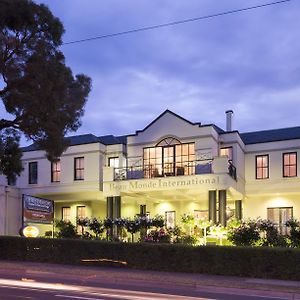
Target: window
81	212
32	172
66	214
169	158
279	216
226	151
113	162
55	171
79	168
289	164
262	166
201	214
170	219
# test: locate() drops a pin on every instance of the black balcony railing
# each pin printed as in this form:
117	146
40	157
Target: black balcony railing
196	167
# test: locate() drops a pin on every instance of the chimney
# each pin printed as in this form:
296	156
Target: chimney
229	115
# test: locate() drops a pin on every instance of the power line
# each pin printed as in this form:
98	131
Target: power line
175	23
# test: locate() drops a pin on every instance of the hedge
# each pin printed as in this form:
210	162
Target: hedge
259	262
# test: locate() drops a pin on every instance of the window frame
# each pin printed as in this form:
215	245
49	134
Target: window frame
62	213
79	169
56	171
268	166
289	165
113	158
230	159
281	226
30	174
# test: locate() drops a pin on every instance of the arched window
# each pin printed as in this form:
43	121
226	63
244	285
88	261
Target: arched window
169	158
168	142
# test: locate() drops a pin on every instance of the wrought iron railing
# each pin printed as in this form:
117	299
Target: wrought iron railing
196	167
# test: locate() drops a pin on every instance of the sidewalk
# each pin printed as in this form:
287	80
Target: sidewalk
139	278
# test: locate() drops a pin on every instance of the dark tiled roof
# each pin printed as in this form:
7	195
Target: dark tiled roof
272	135
112	140
72	140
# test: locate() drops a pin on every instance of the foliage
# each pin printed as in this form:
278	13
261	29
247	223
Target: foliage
39	92
157	236
247	234
10	154
175	234
260	262
188	240
294	235
158	221
188	219
270	235
65	229
96	226
219	232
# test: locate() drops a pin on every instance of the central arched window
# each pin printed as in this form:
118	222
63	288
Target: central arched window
169	157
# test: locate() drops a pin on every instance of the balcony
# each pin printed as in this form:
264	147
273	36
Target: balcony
217	165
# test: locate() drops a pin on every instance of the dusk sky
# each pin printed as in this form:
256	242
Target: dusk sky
248	62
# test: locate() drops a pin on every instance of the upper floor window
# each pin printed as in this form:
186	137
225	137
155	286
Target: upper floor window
33	172
290	164
113	162
55	171
226	151
262	166
169	158
79	168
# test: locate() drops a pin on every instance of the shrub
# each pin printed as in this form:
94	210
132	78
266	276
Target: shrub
247	234
261	262
65	229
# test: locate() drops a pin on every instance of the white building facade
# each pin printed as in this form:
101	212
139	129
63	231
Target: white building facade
172	167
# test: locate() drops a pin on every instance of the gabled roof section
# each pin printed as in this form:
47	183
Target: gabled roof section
72	140
167	111
273	135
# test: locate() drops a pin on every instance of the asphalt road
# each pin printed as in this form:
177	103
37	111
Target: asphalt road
16	288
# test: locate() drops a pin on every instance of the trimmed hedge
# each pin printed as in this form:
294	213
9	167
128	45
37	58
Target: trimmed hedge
261	262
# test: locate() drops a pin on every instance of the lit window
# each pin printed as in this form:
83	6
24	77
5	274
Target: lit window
55	171
170	219
279	216
262	166
79	168
32	172
81	212
113	162
226	151
66	214
290	164
169	158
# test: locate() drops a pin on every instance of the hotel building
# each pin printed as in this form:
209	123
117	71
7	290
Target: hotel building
171	167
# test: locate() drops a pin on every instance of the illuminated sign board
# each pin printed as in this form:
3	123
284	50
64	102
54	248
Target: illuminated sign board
37	210
30	231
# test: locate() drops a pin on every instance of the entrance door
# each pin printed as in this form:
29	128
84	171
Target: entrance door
169	160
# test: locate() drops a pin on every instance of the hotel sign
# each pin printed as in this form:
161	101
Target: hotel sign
166	183
37	210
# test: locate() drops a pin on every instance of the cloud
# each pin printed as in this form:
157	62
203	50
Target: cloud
248	62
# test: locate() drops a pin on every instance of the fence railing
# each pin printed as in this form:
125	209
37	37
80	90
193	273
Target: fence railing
195	167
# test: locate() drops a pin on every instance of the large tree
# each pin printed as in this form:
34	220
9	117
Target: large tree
42	98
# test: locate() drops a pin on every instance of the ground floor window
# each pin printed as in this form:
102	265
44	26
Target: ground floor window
279	216
170	219
201	214
80	214
66	214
